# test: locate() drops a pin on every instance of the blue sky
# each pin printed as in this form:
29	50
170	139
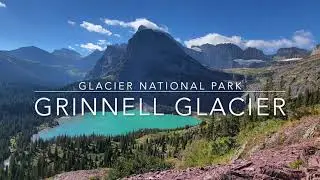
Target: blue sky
86	25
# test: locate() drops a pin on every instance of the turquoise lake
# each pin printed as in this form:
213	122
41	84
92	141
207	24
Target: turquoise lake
110	124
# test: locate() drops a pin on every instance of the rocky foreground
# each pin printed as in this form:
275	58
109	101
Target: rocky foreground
275	163
292	153
298	161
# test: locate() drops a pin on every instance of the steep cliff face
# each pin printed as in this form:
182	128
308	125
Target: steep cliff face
110	64
221	56
254	53
293	52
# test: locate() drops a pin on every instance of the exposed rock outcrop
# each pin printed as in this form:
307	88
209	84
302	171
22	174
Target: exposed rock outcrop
82	175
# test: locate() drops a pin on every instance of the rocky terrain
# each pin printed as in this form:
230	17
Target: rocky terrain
316	50
292	153
293	52
110	63
300	76
81	175
295	77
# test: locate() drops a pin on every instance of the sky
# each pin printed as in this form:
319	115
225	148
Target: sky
85	25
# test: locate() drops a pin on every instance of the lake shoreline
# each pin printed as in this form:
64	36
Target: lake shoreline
138	125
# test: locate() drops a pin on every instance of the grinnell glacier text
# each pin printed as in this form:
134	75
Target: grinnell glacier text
44	106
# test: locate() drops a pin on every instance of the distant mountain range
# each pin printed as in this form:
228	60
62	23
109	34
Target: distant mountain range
223	56
37	66
13	69
149	55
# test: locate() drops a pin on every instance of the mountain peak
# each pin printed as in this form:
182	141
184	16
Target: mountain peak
30	48
142	27
66	54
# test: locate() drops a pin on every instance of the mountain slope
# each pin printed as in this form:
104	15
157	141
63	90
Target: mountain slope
12	72
155	55
13	69
110	64
298	77
32	53
88	62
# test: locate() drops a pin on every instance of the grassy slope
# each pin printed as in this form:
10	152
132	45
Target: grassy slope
254	137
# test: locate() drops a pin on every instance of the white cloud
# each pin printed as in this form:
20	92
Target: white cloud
95	28
2	5
99	45
102	42
70	47
91	47
214	39
301	39
117	35
72	23
178	39
135	24
113	22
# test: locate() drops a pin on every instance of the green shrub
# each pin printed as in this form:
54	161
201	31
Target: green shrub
296	164
222	145
204	152
198	153
137	163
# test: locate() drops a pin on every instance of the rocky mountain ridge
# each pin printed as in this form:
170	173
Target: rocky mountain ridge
293	52
221	56
37	66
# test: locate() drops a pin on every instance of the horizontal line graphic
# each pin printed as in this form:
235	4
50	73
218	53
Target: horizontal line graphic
157	91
